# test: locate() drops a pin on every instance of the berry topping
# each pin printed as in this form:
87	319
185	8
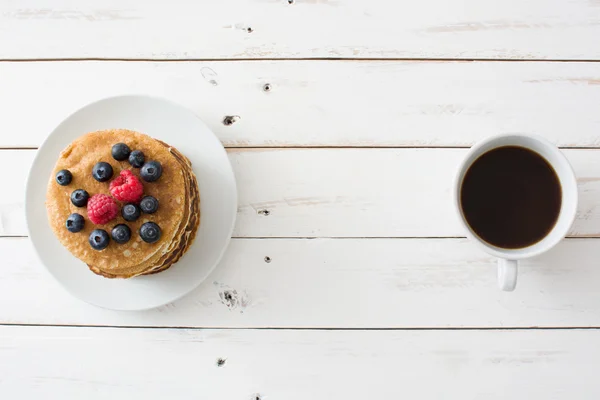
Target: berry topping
79	198
151	171
136	159
102	172
130	212
149	204
75	223
121	233
64	177
127	187
102	209
120	151
99	239
150	232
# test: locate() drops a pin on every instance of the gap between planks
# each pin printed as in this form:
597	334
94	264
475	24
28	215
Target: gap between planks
344	237
196	328
329	147
401	59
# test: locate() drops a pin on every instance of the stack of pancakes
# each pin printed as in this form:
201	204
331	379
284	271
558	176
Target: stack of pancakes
178	213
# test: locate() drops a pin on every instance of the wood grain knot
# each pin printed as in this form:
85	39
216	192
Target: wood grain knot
230	119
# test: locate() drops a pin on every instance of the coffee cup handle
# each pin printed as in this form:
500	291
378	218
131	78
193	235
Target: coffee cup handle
507	274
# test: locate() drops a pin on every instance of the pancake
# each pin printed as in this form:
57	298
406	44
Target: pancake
171	257
189	233
166	247
176	190
185	236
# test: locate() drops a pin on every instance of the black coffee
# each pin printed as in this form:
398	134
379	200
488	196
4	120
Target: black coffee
511	197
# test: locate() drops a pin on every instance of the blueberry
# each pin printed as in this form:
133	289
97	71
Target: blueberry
64	177
130	212
136	159
99	239
79	198
75	223
150	232
151	171
121	233
120	151
149	204
102	172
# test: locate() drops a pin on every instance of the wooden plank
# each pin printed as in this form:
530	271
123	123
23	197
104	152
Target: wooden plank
511	29
337	283
75	363
337	192
327	103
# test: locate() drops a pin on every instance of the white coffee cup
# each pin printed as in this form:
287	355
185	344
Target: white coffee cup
508	258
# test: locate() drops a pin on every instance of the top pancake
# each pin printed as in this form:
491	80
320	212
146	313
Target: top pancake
79	158
183	239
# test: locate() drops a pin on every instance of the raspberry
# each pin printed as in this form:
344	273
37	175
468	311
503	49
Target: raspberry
127	187
102	209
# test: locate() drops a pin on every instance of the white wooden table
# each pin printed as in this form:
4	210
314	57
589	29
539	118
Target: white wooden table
348	276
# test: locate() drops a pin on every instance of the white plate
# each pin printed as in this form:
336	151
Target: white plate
176	126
